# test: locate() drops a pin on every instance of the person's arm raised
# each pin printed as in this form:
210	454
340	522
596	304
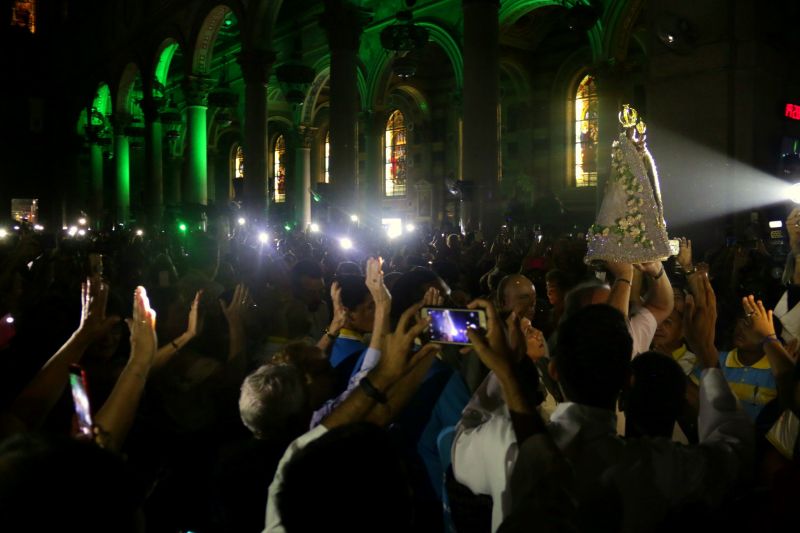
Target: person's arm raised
760	328
41	394
325	343
660	299
391	383
166	352
383	302
116	416
700	319
234	314
620	294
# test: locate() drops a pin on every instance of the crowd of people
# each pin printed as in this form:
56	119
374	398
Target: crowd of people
243	384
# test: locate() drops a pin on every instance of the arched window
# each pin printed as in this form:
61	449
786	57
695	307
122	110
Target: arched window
238	163
279	162
23	14
394	160
328	157
586	132
237	167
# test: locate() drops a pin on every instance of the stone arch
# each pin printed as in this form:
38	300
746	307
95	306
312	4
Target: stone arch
124	88
444	38
619	18
264	15
517	74
162	59
310	104
512	10
206	35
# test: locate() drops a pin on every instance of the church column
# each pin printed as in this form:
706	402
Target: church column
153	142
372	183
480	99
256	66
301	182
122	164
96	177
344	23
196	90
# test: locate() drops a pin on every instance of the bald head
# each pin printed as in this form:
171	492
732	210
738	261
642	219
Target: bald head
517	293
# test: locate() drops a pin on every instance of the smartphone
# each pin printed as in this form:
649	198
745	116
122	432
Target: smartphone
80	396
674	246
449	326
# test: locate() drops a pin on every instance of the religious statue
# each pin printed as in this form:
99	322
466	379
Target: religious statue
630	225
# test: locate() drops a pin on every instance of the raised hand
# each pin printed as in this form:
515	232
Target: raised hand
397	359
144	343
684	256
432	298
339	311
375	283
494	327
759	323
234	311
94	322
700	318
194	325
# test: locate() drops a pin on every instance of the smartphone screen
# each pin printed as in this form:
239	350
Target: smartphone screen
449	326
80	396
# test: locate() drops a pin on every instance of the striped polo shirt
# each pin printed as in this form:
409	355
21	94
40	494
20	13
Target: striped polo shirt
753	385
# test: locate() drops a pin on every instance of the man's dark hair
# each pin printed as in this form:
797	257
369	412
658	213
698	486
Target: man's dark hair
306	269
348	268
60	484
656	396
354	290
409	289
592	355
350	468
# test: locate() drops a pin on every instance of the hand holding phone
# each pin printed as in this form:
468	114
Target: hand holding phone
449	326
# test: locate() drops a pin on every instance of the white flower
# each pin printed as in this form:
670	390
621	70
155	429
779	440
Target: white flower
634	231
605	232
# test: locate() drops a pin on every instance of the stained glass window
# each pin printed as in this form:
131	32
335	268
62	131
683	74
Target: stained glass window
328	157
394	150
23	14
238	163
586	128
280	169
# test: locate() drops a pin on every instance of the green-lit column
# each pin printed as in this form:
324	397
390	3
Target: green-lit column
154	190
122	165
344	22
256	66
481	96
196	92
371	190
96	180
301	184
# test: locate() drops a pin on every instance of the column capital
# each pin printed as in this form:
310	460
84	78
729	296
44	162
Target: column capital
256	65
344	23
305	135
151	108
196	88
121	121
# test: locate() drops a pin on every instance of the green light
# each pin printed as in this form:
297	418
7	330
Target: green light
316	196
182	227
287	227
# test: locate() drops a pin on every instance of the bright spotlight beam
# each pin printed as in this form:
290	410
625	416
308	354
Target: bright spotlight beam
346	243
793	193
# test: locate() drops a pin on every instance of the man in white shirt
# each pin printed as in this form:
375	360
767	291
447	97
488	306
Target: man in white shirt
649	477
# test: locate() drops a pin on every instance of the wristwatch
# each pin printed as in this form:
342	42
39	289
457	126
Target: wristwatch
332	336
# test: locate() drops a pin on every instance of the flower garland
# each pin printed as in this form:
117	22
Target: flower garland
631	224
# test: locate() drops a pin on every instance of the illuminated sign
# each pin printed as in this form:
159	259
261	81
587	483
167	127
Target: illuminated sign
792	111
